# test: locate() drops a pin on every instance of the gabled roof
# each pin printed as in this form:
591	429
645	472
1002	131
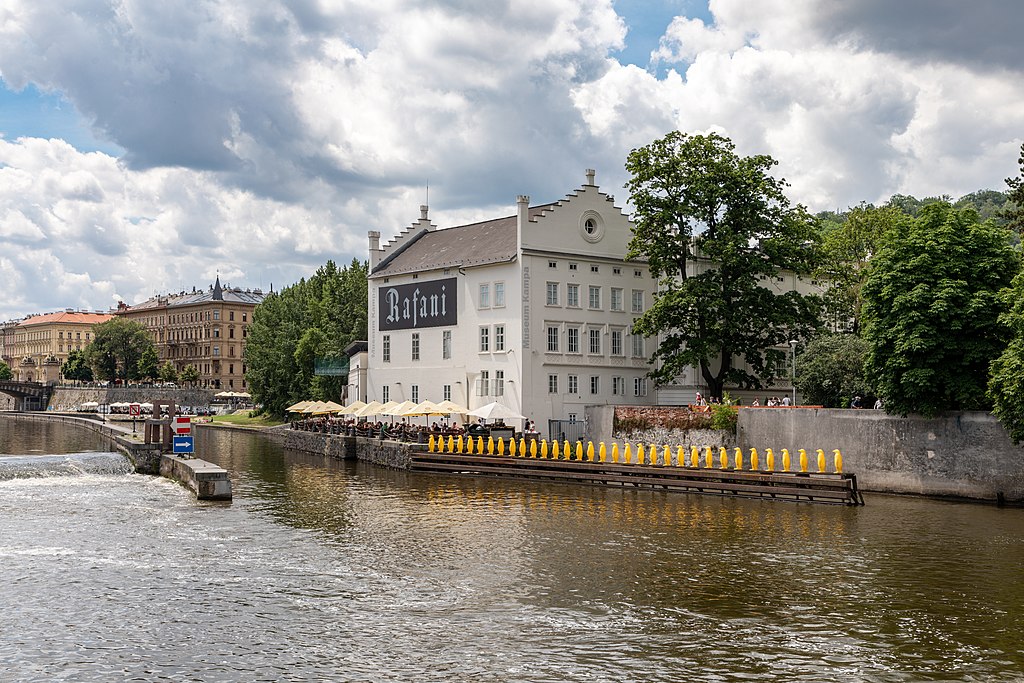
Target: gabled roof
476	244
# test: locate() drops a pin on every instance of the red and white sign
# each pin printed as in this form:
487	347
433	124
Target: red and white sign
182	425
134	409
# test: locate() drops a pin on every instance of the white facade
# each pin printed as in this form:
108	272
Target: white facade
544	300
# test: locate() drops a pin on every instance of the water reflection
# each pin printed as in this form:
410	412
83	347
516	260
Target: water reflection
323	570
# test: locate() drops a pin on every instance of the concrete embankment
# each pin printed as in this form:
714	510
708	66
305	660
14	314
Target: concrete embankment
206	480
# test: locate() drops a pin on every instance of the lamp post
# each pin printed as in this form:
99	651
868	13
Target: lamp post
792	344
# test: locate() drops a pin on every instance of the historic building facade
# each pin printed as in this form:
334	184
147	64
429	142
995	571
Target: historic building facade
533	310
206	329
42	343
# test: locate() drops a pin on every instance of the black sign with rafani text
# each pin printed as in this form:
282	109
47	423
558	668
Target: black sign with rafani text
418	304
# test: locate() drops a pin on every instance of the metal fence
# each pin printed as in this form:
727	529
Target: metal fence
571	430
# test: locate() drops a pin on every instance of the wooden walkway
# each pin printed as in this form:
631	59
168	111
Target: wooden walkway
815	487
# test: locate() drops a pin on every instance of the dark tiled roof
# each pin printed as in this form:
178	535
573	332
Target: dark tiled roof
235	296
476	244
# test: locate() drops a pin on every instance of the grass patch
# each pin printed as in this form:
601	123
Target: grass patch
245	420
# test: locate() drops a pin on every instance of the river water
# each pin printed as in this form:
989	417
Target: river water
328	571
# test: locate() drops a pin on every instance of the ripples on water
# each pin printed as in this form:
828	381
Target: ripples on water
332	571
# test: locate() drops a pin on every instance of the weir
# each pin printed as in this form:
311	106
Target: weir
66	465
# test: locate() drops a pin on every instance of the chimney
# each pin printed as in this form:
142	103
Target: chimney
423	212
374	236
522	217
590	176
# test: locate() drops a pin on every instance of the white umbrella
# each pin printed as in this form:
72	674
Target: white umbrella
90	404
224	394
371	408
425	408
452	408
496	411
352	408
400	409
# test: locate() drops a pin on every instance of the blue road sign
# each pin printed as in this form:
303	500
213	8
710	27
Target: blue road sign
183	444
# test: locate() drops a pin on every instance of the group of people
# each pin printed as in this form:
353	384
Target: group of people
774	402
401	431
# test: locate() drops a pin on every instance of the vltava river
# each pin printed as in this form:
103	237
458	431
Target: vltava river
328	571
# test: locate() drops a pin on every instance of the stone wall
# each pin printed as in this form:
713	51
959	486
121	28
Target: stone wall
69	398
327	445
394	454
963	455
661	427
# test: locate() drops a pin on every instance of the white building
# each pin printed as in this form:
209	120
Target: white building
532	310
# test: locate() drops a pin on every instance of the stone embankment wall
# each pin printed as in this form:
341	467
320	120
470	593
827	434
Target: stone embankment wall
651	425
393	454
963	455
65	398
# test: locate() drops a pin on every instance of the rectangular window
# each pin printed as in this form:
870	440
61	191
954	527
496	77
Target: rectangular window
616	271
231	333
638	346
446	344
552	294
485	296
385	347
245	317
216	350
499	337
616	304
499	382
594	269
595	296
485	339
595	384
231	315
552	264
553	339
638	301
595	342
572	266
415	393
385	393
552	384
416	346
499	294
573	385
446	392
481	384
573	341
619	386
638	273
572	296
639	386
216	315
617	342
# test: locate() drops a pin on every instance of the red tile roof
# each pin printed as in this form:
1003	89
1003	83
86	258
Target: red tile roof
65	317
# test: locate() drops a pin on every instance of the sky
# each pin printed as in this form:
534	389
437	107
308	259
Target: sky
150	147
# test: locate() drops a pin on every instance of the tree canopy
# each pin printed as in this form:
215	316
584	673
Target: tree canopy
76	367
932	309
717	229
117	346
149	364
1006	381
830	371
1013	212
5	371
310	320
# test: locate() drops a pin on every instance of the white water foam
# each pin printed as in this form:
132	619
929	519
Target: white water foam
67	465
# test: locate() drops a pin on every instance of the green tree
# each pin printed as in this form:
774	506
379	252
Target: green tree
931	312
1014	208
167	372
830	371
189	375
5	371
846	252
717	229
312	319
76	368
149	363
1006	381
117	346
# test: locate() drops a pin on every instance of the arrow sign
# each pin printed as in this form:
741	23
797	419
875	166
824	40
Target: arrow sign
182	425
183	444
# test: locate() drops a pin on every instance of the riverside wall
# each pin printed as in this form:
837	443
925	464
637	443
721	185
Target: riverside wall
958	455
69	398
660	427
383	452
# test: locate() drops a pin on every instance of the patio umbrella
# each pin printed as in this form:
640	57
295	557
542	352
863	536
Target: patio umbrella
425	408
298	407
371	408
313	408
224	394
496	411
332	407
399	409
352	408
450	407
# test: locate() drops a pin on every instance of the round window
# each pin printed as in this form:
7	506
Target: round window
591	226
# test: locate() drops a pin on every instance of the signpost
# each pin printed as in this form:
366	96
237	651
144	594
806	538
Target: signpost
134	409
183	445
182	426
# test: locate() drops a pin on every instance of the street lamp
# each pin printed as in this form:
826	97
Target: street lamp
792	344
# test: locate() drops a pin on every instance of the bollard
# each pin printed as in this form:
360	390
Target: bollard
708	458
640	454
785	460
625	455
544	449
590	451
803	460
753	460
615	453
490	445
738	458
821	460
602	452
837	459
769	457
430	444
499	447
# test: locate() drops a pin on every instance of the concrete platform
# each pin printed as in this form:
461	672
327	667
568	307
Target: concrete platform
207	480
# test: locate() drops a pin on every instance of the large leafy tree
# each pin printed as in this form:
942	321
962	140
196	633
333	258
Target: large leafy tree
717	229
1006	382
76	368
1014	209
167	373
931	311
830	371
5	371
846	253
312	320
149	364
117	346
189	375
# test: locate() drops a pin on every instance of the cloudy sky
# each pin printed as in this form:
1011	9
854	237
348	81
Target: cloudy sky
146	146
